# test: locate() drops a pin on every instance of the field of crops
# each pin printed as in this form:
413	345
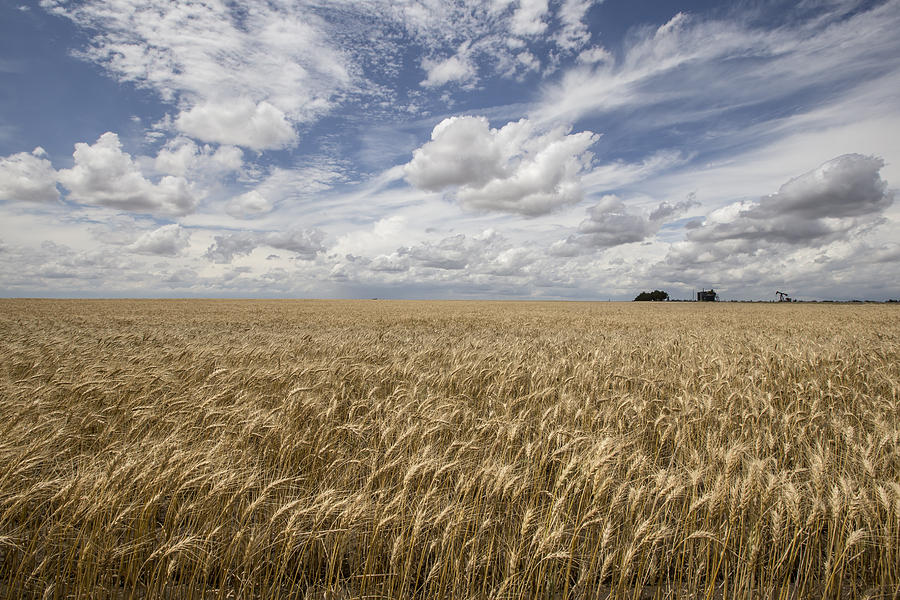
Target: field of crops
319	449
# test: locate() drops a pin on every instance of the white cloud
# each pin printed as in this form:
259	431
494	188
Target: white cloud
305	243
483	254
180	278
240	76
248	74
241	122
182	156
595	54
168	240
494	33
228	158
728	65
451	253
811	234
515	169
462	151
610	224
528	19
177	157
248	205
616	174
28	177
299	184
104	175
542	181
528	61
454	69
661	98
382	238
229	245
392	263
574	33
839	195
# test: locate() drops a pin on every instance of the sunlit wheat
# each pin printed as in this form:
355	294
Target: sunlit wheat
219	449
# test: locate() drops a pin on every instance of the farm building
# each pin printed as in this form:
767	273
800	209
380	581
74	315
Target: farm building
707	296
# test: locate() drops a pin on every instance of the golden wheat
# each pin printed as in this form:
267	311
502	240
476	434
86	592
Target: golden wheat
281	449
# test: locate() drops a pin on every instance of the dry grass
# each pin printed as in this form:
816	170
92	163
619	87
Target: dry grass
448	450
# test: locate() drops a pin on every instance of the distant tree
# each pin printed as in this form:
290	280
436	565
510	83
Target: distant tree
654	296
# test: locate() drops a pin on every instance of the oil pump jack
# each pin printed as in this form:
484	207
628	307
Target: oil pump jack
782	296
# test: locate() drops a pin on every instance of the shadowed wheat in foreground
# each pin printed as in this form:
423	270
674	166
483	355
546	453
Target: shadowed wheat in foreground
218	449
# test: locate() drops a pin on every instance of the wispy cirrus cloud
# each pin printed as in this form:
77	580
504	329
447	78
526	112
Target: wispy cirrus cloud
487	38
249	75
238	75
692	62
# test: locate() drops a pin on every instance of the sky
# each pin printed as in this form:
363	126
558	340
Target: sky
501	149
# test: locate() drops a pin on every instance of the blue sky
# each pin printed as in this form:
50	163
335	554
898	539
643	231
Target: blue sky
529	149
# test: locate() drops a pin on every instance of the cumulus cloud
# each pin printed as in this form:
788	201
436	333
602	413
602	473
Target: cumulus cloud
486	258
177	157
451	253
515	169
37	267
393	263
248	205
808	227
182	156
610	224
227	158
229	245
242	122
456	69
104	175
380	239
462	151
487	253
817	206
168	240
28	177
528	19
305	243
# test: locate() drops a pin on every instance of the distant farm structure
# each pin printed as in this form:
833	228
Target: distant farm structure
707	296
782	296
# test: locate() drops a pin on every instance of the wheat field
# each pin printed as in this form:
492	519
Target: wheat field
465	450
